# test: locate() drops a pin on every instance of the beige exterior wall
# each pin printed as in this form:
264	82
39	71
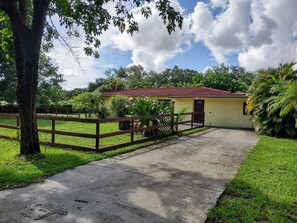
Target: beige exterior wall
223	112
106	101
226	112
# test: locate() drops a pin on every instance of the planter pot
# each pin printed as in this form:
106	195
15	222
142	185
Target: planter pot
124	125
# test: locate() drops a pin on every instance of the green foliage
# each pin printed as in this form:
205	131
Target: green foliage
88	102
272	99
94	18
103	112
49	96
95	85
148	106
231	78
223	77
119	105
112	84
145	106
285	101
181	117
16	171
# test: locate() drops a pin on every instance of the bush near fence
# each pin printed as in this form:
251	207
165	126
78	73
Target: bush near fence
14	109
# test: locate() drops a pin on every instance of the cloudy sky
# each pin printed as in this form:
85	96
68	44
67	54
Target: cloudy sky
250	33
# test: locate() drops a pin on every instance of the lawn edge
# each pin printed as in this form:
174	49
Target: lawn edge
112	153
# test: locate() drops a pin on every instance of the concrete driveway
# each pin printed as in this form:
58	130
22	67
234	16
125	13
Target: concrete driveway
176	181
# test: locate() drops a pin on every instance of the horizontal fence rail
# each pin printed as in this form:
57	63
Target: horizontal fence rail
167	124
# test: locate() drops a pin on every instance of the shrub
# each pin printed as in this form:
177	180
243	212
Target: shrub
146	107
103	113
119	105
273	101
119	108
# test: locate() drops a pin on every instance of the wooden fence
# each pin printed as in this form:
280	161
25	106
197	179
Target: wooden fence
171	124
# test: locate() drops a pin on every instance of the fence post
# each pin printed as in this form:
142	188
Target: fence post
203	118
177	120
192	120
53	130
172	123
18	126
97	134
133	128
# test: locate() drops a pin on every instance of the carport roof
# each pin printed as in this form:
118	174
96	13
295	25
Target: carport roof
178	92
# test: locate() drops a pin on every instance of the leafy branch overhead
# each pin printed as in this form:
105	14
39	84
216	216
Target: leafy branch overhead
29	19
94	18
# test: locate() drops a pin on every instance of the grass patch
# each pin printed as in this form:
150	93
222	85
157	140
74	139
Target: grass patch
77	127
265	188
18	171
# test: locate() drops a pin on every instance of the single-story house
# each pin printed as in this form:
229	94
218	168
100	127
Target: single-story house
221	108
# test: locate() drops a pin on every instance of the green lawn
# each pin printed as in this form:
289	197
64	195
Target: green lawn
73	127
17	171
265	188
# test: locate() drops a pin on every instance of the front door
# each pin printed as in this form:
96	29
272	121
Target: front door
199	107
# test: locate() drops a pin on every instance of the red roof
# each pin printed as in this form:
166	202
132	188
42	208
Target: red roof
178	92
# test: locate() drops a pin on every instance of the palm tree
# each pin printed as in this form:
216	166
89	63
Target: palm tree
272	98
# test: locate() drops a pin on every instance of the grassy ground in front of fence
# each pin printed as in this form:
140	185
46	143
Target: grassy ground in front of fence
18	171
77	127
265	188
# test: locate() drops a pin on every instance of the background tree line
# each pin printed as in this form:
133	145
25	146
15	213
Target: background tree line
272	91
50	92
224	77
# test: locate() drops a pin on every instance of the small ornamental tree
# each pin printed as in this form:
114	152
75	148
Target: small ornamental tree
88	102
29	19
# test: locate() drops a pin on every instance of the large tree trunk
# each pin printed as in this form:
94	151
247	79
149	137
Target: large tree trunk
27	72
27	42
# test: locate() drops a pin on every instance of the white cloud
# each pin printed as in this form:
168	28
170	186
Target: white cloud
263	32
219	3
152	46
276	22
225	32
77	74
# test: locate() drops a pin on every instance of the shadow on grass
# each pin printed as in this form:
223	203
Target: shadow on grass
243	202
16	172
35	168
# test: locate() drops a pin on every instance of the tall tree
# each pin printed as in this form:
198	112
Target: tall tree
92	86
112	84
230	78
28	21
48	82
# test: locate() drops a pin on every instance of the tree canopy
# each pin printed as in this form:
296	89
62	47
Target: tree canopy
30	22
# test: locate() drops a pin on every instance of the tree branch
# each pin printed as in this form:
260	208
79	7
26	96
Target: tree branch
40	8
8	6
65	44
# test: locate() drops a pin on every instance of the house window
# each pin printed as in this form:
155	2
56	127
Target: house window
164	100
244	107
167	101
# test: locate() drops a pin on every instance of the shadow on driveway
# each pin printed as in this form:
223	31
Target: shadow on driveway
177	182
